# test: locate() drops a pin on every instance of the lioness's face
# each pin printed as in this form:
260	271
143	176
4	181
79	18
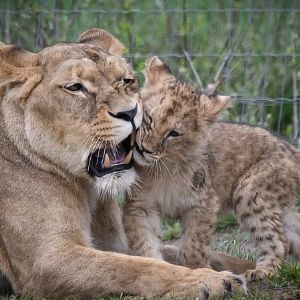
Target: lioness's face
83	114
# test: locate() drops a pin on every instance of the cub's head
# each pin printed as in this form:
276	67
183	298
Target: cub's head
176	118
73	108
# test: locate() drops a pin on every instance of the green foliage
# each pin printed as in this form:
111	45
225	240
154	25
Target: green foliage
172	229
225	222
284	285
288	275
121	200
234	242
263	67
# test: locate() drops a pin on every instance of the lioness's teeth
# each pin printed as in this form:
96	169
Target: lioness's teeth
132	140
107	163
128	158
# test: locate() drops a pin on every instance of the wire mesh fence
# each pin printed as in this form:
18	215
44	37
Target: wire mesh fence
252	46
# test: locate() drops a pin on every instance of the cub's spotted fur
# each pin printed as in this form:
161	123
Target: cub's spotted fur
193	168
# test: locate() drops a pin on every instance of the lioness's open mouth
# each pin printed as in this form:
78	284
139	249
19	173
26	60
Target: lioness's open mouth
108	160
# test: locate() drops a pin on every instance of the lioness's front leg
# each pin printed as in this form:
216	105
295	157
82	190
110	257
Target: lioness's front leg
88	272
62	262
107	227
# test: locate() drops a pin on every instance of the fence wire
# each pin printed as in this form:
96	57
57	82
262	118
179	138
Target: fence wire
251	45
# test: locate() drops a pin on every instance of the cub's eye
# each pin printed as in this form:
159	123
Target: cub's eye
174	134
128	81
74	87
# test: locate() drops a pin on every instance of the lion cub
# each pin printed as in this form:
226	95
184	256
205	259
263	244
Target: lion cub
192	168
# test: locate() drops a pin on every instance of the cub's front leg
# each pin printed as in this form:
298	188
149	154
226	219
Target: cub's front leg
142	228
198	222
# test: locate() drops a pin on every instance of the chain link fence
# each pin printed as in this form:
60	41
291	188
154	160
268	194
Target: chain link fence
251	46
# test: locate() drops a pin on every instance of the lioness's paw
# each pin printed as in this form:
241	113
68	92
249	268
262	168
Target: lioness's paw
190	291
224	283
234	284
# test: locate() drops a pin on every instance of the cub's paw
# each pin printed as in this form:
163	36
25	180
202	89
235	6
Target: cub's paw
224	283
257	274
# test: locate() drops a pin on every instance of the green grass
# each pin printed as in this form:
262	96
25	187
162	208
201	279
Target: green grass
226	221
172	229
288	275
284	285
234	242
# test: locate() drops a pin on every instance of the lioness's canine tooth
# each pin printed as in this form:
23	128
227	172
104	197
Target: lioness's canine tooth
107	162
128	158
132	140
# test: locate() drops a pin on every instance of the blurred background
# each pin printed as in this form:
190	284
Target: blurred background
252	46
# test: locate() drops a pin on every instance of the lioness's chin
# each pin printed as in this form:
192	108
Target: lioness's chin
117	183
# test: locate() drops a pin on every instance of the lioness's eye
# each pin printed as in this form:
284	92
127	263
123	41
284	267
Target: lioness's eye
128	81
74	87
174	133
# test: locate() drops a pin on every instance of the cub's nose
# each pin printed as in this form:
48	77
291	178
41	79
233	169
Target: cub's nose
127	115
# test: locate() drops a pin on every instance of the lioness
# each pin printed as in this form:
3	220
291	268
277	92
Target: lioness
192	168
67	126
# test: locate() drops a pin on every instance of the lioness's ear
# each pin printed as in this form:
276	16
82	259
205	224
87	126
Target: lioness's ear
19	67
213	105
156	71
102	38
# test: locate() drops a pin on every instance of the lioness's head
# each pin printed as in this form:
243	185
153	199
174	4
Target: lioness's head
73	108
176	119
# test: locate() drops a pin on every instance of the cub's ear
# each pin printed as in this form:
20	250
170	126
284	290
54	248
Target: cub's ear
19	68
219	103
102	38
156	71
212	106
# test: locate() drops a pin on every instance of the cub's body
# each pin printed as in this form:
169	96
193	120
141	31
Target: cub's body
232	153
192	168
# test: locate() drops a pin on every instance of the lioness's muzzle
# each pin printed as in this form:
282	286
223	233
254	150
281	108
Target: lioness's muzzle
108	160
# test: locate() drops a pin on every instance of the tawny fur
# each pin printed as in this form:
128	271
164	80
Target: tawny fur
209	168
57	223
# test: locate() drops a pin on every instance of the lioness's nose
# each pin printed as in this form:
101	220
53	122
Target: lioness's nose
127	115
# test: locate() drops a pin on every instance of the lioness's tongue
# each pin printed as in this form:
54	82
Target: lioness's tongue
117	156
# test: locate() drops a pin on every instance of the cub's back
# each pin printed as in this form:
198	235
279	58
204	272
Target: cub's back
237	147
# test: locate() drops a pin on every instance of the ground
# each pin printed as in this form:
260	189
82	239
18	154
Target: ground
284	285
